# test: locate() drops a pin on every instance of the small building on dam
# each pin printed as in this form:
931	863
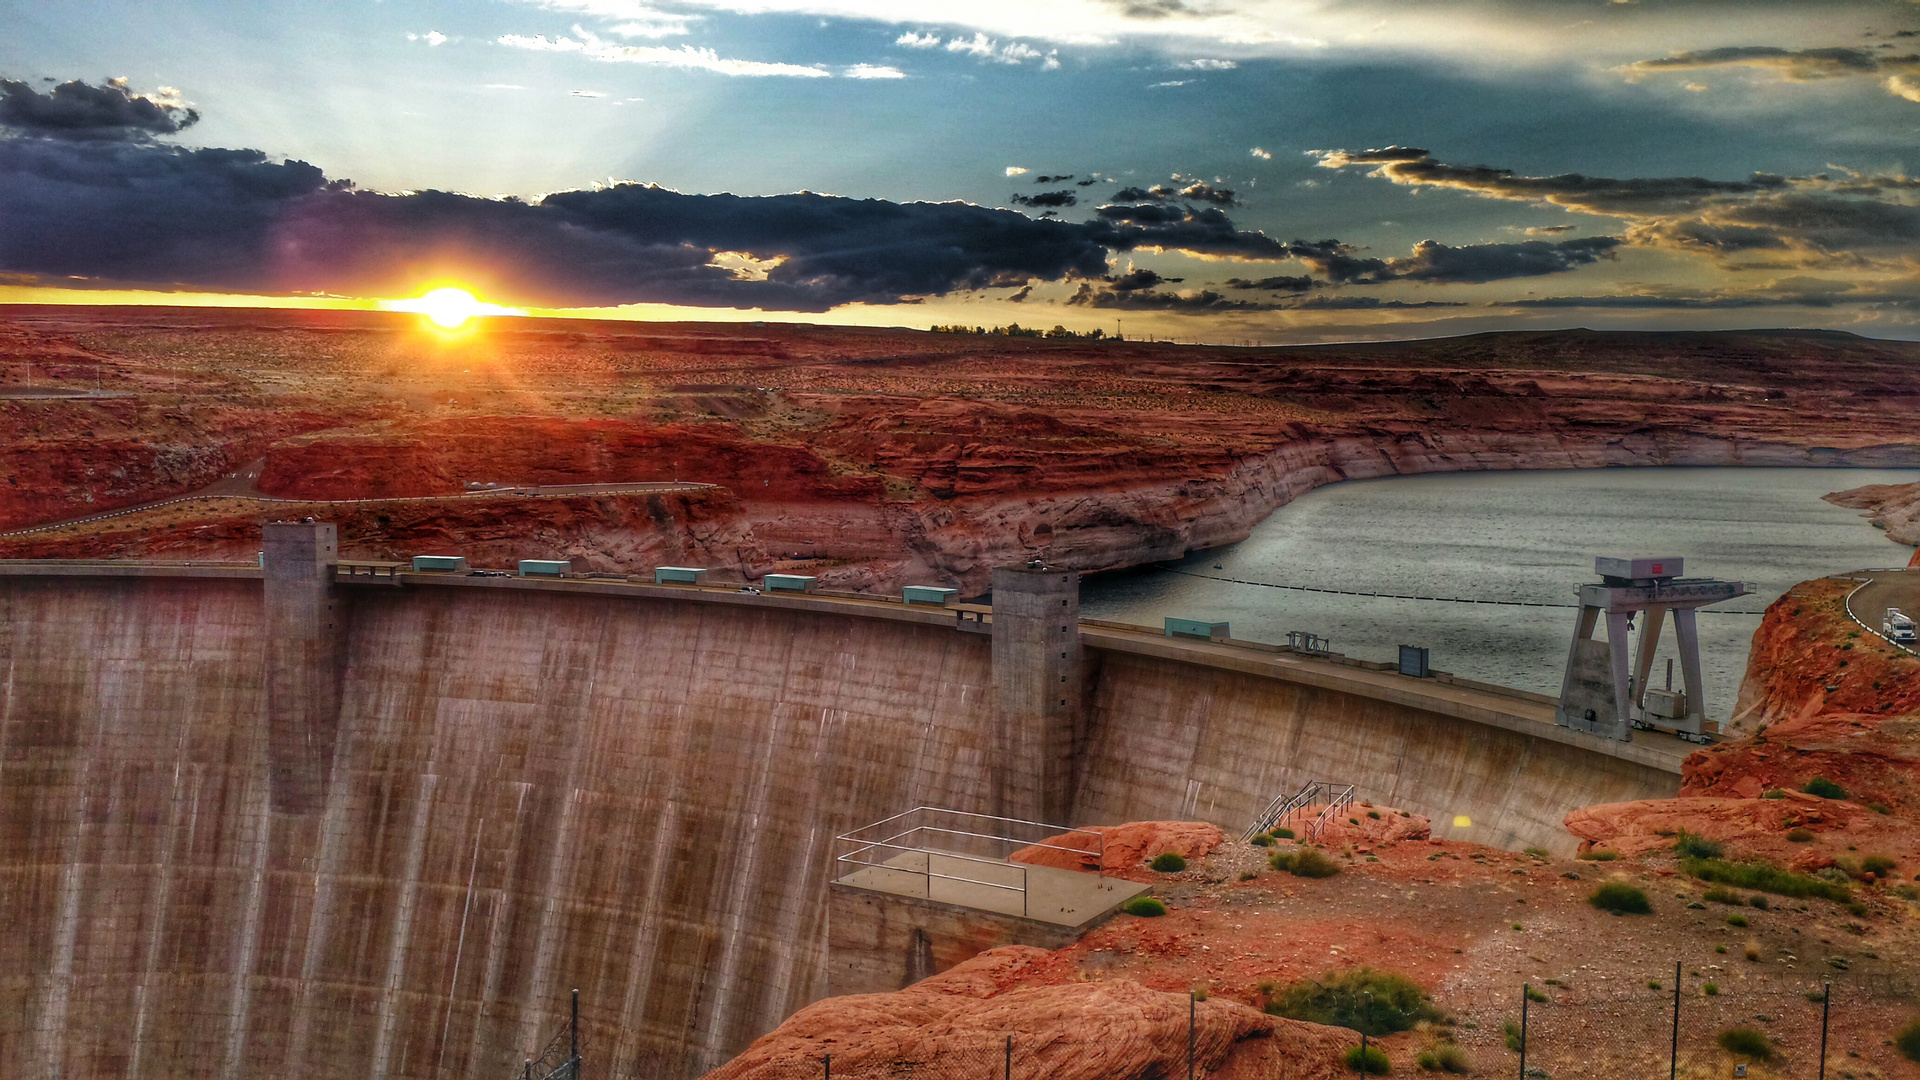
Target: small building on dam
311	819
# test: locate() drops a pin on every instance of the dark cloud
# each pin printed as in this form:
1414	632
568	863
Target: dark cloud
1280	283
1795	65
1089	182
1053	179
1203	300
138	212
1151	9
1825	219
1687	303
1194	192
77	110
1365	303
1047	198
1438	262
1203	232
1140	278
1339	263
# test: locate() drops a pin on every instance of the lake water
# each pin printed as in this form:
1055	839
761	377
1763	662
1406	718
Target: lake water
1523	536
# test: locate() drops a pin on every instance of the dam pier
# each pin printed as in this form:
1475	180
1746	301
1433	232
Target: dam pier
312	818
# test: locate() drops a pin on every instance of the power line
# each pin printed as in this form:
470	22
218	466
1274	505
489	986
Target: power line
1408	596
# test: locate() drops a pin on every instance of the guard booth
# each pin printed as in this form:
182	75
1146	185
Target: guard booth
1605	690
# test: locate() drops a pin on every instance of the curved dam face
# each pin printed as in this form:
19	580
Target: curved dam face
530	787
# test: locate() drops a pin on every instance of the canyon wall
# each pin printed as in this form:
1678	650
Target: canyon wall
537	788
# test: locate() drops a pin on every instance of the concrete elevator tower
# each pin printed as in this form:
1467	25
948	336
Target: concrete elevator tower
303	663
1036	691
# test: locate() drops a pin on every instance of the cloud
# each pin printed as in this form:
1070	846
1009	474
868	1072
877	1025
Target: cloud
978	45
1198	302
1848	218
1053	199
139	212
1261	154
431	37
686	56
586	93
1905	86
1061	179
1438	262
1792	65
1549	230
911	40
1279	283
1366	303
77	110
1207	65
1015	170
1140	278
874	71
1194	192
629	19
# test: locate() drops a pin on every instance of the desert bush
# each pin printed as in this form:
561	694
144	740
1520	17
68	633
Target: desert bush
1597	855
1620	899
1446	1057
1536	995
1736	919
1312	863
1145	906
1718	895
1263	840
1880	808
1513	1035
1752	951
1283	834
1824	788
1773	793
1396	1003
1877	865
1746	1042
1248	875
1765	877
1692	846
1369	1059
1374	814
1799	836
1758	901
1167	862
1908	1041
1280	860
1710	989
1537	852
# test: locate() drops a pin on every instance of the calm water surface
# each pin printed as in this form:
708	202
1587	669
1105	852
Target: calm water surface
1526	536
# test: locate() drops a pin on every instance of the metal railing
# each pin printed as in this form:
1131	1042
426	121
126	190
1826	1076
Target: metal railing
966	850
1284	807
1334	808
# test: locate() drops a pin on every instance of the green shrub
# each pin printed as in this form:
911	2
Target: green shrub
1536	995
1144	906
1280	860
1263	840
1374	814
1720	950
1653	984
1513	1035
1758	901
1824	788
1879	808
1312	863
1765	877
1167	862
1537	852
1370	1059
1773	793
1283	834
1878	865
1620	899
1712	989
1746	1042
1736	919
1697	847
1597	855
1396	1004
1908	1041
1799	836
1718	895
1446	1057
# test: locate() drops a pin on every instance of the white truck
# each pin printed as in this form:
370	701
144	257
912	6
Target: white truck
1898	627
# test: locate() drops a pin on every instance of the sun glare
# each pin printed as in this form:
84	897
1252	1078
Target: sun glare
450	307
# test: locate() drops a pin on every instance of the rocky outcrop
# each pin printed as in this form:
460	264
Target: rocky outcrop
1123	847
1893	507
958	1023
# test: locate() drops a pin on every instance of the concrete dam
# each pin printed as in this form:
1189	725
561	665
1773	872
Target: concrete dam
339	824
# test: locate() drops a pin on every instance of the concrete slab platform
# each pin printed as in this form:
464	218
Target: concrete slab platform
1042	893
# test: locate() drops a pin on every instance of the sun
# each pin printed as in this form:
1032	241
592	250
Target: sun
450	308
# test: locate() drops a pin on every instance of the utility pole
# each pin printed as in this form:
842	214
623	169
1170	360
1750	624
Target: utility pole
1826	1008
1526	995
1673	1060
1193	1009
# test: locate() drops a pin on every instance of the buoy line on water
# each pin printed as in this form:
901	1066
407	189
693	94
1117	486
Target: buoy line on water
1408	596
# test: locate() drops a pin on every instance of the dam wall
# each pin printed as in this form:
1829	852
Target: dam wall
630	790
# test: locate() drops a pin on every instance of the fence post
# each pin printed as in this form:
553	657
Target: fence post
1009	1057
826	1062
1673	1058
1526	997
573	1036
1826	1008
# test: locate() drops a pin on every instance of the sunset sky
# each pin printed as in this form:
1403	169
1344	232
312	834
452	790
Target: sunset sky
1221	170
